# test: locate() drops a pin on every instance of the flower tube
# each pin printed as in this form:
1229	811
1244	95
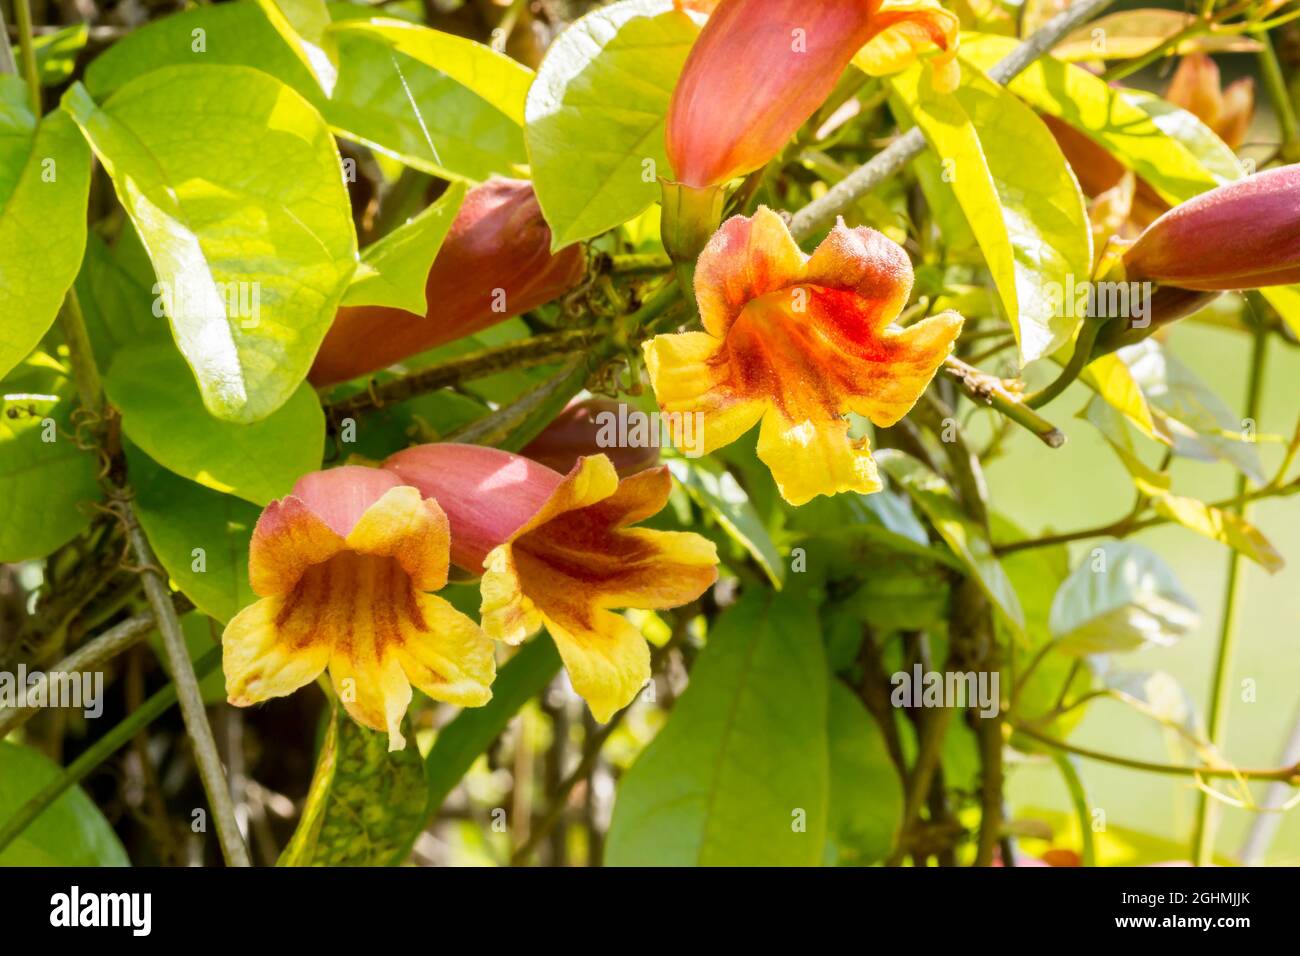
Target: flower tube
796	342
495	263
591	427
559	550
342	565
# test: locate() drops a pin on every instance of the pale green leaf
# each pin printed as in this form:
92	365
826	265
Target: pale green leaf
44	180
718	493
383	98
56	53
739	774
201	536
1221	526
394	271
244	215
1120	598
1128	34
163	414
601	94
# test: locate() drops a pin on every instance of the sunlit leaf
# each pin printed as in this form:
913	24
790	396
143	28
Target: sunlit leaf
602	93
1121	597
304	24
245	217
394	271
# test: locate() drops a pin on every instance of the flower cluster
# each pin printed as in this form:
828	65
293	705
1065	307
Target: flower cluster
345	566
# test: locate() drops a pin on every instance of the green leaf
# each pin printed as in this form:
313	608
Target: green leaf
163	414
739	775
1197	422
1129	34
44	182
1214	154
47	480
717	492
115	289
200	536
499	80
1221	526
1092	106
394	271
303	24
601	94
968	541
1286	299
71	831
866	799
56	53
385	99
1120	598
1018	195
362	802
245	217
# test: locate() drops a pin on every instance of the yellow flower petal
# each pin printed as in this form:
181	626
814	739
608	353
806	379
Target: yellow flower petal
811	458
262	661
450	658
506	612
372	687
691	376
607	659
411	529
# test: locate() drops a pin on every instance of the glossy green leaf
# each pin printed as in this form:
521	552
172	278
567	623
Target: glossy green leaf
394	271
245	217
200	536
1089	104
1121	597
48	482
739	774
718	493
44	179
866	801
385	99
968	541
1018	195
362	802
163	414
304	25
1214	154
71	831
115	289
602	93
499	80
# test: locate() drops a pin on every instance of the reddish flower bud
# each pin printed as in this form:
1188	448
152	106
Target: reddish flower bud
495	263
1244	235
591	427
762	67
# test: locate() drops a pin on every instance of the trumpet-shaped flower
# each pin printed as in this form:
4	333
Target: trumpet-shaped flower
342	566
797	342
559	550
760	68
